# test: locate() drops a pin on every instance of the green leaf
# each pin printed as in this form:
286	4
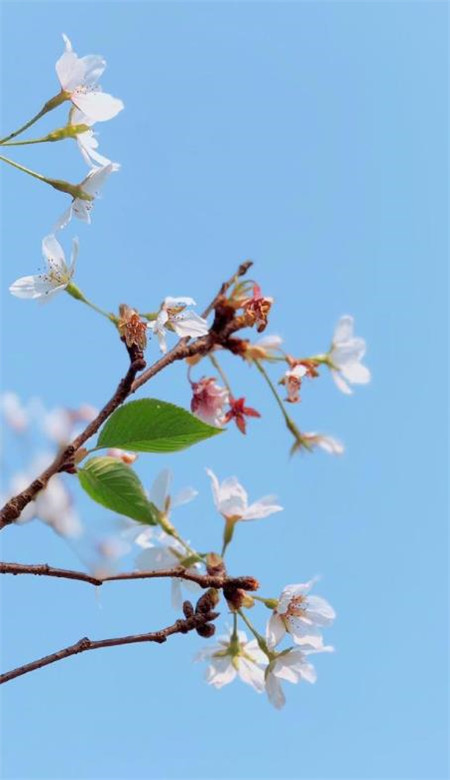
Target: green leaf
113	484
150	425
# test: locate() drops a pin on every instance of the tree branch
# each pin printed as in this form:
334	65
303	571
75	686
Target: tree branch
64	461
179	627
204	580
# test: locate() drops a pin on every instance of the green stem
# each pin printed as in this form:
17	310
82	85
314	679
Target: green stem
221	373
48	106
26	143
76	293
25	170
260	639
290	424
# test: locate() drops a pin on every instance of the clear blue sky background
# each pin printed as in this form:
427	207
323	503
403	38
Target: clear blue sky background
311	137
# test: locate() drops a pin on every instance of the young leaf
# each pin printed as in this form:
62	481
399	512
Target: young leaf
116	486
150	425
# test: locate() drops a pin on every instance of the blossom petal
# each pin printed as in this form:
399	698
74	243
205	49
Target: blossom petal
275	630
221	672
251	674
159	491
275	691
341	383
98	106
34	287
189	324
54	253
344	329
262	508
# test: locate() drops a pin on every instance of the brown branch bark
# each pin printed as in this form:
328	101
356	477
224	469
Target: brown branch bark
179	627
64	461
204	580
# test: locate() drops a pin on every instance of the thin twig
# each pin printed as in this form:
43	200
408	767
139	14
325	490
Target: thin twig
179	627
129	384
204	580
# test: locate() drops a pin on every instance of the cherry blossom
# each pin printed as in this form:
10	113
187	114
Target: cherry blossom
174	316
86	140
90	186
57	276
300	615
345	357
234	656
231	500
162	551
78	77
208	401
291	666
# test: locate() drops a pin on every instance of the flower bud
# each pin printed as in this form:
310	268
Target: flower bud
215	565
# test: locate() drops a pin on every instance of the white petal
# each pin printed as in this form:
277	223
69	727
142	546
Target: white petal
344	329
356	373
70	71
34	287
94	65
275	630
275	691
73	257
185	496
189	324
96	178
320	610
341	383
215	487
159	491
64	219
53	252
263	508
221	672
98	106
67	42
251	674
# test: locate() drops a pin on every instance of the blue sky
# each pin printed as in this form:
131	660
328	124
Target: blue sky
310	137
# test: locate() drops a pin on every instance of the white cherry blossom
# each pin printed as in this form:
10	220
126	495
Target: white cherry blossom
345	357
301	615
56	277
86	141
162	551
231	500
174	316
78	77
291	666
234	657
91	185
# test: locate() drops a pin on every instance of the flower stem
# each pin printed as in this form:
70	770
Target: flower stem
25	170
76	293
221	373
291	426
48	106
260	639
